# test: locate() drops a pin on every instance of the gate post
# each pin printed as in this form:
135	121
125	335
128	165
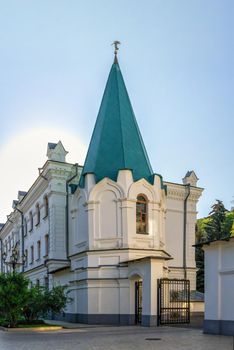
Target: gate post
153	271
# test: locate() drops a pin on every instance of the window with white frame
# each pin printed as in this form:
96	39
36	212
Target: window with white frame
26	258
38	250
47	247
25	227
32	254
141	214
31	221
38	214
46	206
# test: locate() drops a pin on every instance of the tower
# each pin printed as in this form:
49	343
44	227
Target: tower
118	217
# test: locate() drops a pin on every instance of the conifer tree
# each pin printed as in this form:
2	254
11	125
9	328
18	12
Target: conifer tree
215	226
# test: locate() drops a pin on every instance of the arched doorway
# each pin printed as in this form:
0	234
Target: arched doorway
136	295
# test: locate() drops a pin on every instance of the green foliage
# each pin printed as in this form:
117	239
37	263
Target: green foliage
42	301
13	296
228	225
215	227
19	302
201	234
199	256
174	295
56	299
36	304
219	224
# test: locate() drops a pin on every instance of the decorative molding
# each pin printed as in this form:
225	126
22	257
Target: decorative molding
229	271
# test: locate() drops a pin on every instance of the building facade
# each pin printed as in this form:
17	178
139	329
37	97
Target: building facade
103	227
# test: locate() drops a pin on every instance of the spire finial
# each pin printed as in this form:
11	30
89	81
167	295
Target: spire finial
116	43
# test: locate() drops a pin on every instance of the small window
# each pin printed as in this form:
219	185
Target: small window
46	207
32	254
38	214
38	250
141	214
38	283
47	245
46	282
25	227
26	258
31	221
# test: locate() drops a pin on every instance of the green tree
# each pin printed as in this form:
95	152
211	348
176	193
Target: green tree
215	226
13	296
201	236
219	224
228	225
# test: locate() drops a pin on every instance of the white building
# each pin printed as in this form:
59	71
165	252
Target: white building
219	286
104	226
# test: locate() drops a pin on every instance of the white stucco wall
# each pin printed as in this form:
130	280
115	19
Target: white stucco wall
176	194
219	280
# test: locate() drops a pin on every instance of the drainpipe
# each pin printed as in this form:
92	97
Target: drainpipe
22	234
67	209
45	262
185	231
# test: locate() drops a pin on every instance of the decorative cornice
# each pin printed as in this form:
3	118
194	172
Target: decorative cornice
179	192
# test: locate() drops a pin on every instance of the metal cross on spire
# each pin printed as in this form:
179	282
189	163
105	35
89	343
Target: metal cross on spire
116	43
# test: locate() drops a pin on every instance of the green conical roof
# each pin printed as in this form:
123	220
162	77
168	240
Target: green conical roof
116	142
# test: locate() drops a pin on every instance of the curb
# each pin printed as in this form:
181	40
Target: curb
31	329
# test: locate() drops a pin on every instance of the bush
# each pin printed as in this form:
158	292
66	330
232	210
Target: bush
57	299
36	304
13	296
42	301
18	302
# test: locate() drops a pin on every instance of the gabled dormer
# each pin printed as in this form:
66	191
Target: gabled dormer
190	178
21	195
56	151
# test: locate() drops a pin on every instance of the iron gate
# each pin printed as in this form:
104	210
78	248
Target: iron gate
173	301
138	302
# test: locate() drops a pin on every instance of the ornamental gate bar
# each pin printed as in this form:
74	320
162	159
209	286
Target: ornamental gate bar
173	301
138	302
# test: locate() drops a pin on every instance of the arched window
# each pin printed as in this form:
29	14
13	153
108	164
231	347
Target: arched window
46	207
141	214
38	214
31	221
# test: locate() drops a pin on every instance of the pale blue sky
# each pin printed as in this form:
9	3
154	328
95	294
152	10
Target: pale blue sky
177	60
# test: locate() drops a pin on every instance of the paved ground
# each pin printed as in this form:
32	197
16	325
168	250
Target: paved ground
116	338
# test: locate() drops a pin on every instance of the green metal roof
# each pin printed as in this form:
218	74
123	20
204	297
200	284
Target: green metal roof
116	142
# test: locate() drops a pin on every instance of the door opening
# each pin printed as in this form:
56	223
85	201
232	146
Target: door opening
138	302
